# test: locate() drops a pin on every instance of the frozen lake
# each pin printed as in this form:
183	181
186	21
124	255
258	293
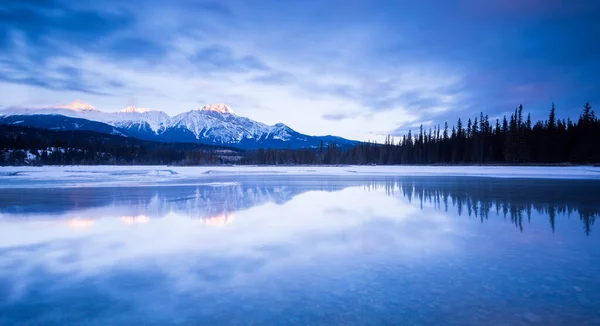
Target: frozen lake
275	246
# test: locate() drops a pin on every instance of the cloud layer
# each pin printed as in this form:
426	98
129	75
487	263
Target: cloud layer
356	69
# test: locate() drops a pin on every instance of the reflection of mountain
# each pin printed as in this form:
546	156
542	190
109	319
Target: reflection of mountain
79	223
214	203
511	198
219	220
138	219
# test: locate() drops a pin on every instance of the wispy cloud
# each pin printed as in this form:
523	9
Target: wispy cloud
218	58
335	116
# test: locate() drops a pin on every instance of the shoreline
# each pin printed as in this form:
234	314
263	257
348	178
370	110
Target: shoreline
105	175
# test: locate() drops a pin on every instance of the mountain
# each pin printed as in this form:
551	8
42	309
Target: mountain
212	124
59	122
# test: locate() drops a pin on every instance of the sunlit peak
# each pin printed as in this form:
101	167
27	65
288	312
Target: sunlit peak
221	108
78	105
133	109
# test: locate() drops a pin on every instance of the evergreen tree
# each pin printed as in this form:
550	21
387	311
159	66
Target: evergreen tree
552	119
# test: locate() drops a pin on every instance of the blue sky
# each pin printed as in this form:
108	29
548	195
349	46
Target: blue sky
358	69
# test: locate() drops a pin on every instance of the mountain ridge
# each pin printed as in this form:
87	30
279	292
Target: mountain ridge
215	124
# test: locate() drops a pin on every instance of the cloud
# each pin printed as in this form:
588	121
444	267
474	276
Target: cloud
50	25
63	77
215	58
134	47
52	84
274	78
209	6
335	116
43	40
414	127
311	65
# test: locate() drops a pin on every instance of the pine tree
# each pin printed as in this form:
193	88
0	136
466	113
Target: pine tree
552	119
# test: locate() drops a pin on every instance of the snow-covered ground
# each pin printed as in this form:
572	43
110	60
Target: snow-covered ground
70	176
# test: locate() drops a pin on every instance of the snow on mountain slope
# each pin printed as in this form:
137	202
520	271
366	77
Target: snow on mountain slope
130	117
281	132
212	124
221	108
226	128
157	121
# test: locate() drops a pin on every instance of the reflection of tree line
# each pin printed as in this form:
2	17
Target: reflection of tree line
515	199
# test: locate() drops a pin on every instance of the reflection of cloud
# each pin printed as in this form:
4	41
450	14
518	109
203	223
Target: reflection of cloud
334	223
135	219
79	223
270	238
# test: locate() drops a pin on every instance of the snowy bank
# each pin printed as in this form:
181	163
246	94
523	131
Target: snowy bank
72	176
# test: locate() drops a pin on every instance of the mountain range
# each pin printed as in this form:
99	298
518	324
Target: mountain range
211	124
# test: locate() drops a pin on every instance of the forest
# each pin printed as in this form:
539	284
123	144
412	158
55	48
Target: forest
32	146
513	140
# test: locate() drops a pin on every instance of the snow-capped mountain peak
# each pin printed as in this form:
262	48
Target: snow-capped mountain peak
133	109
221	108
77	105
212	124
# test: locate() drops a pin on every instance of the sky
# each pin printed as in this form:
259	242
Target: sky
356	69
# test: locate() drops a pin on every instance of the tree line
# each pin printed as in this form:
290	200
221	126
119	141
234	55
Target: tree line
515	139
32	146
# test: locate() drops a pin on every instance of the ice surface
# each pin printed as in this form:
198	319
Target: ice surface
283	249
69	176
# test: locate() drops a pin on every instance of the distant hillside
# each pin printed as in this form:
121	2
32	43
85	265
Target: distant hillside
26	145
